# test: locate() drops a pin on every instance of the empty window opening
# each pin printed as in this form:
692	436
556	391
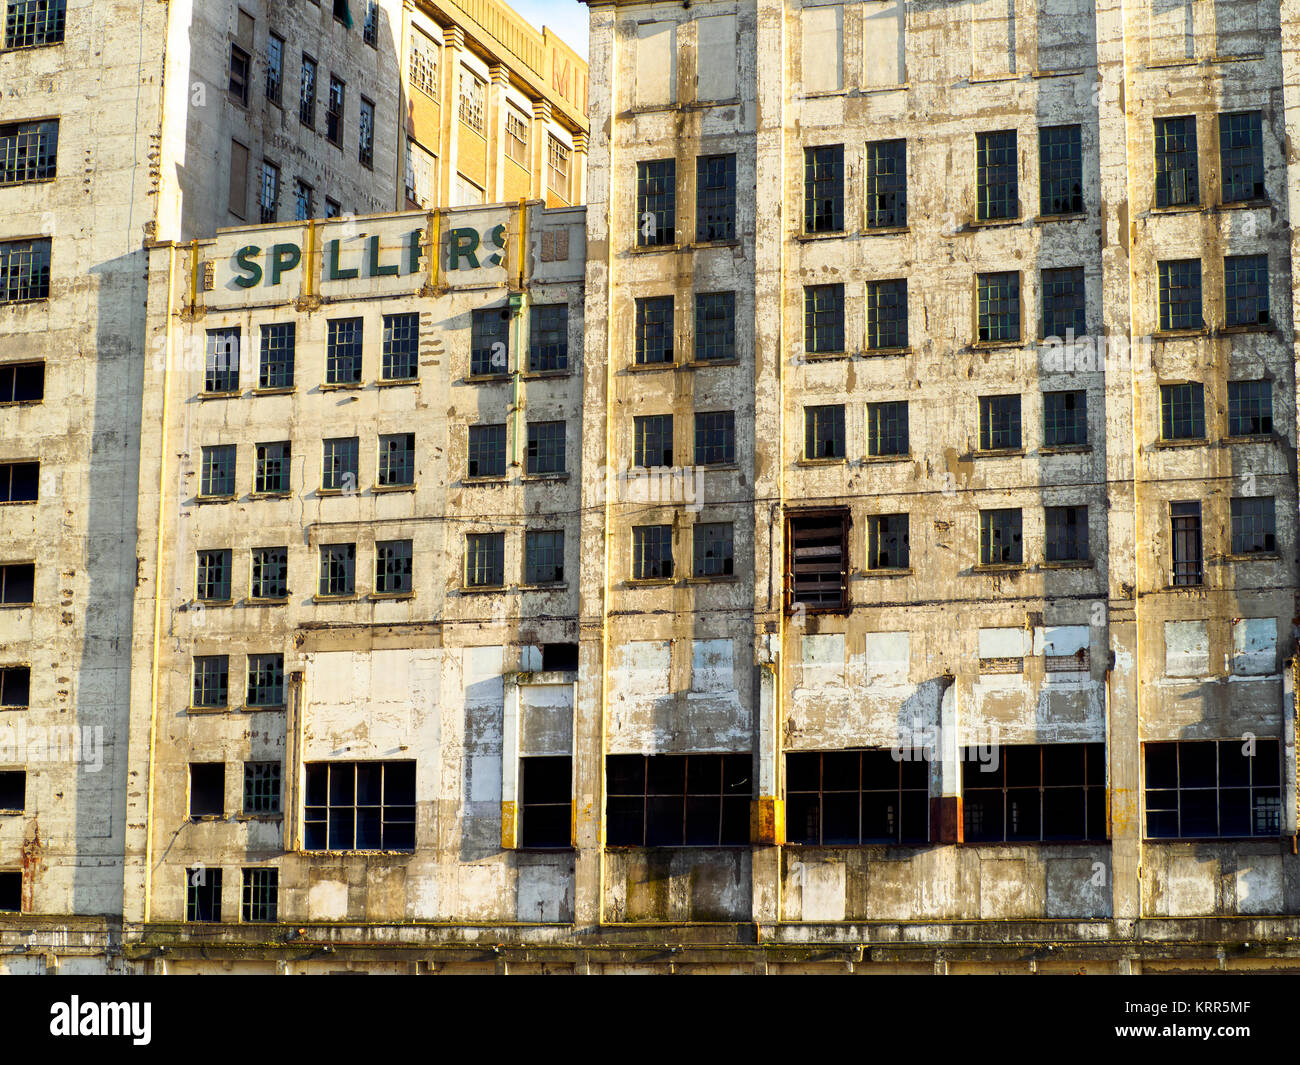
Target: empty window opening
846	798
207	789
668	800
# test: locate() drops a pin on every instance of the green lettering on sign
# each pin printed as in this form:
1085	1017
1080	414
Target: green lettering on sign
246	258
332	263
462	244
375	269
498	236
284	257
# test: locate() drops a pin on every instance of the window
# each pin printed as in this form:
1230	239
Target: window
1182	412
545	452
557	167
421	175
485	560
34	23
823	319
1241	155
654	330
28	151
15	685
714	554
1067	534
397	459
652	552
342	12
393	561
270	577
261	895
887	543
715	198
332	208
886	315
338	568
1186	521
1250	408
652	440
886	184
548	337
715	438
1064	309
274	68
203	895
543	557
818	546
269	198
266	680
517	138
489	342
1000	538
997	191
24	271
19	482
823	189
217	472
17	583
343	351
999	307
487	450
272	473
546	787
424	65
1065	419
715	326
207	789
11	891
1213	789
468	193
846	798
13	791
262	788
22	382
240	68
1177	179
276	369
366	139
999	423
1253	530
340	464
302	201
887	429
1053	791
656	202
238	188
307	98
359	806
473	93
401	347
1060	175
1245	290
211	680
823	432
676	800
213	581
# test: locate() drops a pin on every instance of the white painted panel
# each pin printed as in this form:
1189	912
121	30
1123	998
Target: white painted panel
1061	639
481	669
1067	33
712	669
715	60
823	659
823	48
1259	885
884	43
993	37
1237	27
485	778
547	726
656	63
1004	643
390	676
1254	646
331	677
641	668
823	890
327	900
888	656
1187	649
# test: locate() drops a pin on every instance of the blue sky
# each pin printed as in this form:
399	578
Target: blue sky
568	18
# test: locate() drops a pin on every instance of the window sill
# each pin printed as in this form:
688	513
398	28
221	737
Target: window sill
704	364
545	586
999	453
1065	449
885	353
381	597
1254	556
277	601
396	382
995	345
651	582
269	495
278	708
1180	334
1162	445
381	489
486	481
728	578
1073	216
1000	567
1250	327
886	231
884	460
558	478
215	499
284	391
486	378
830	234
1178	208
995	223
342	386
198	819
335	492
651	367
204	710
219	395
704	245
206	603
482	589
543	375
883	573
1071	563
260	817
350	598
1243	205
718	467
1256	438
31	603
650	249
821	462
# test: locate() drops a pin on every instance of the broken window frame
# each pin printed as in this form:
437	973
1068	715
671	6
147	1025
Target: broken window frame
845	782
272	472
1171	801
332	806
1187	543
263	789
1253	525
396	460
713	549
241	75
887	433
543	556
259	903
472	100
647	807
269	574
652	552
887	542
545	449
998	307
1241	157
274	68
1060	170
25	270
546	802
488	327
34	23
265	681
307	92
1024	780
275	366
823	188
824	433
203	895
221	361
652	441
1002	537
394	562
1245	291
217	468
338	570
1066	534
1065	418
485	560
997	176
548	338
656	197
401	355
344	343
340	464
654	331
211	690
1250	408
29	152
823	319
1176	163
887	184
486	450
213	572
1000	426
715	198
825	536
207	791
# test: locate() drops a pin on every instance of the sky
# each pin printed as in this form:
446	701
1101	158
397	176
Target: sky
567	18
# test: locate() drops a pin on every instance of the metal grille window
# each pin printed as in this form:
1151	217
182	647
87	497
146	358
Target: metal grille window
343	351
654	330
18	583
489	342
24	271
1067	534
302	201
1182	412
1001	543
715	326
1241	155
261	895
714	554
393	567
817	560
557	167
307	97
1186	521
823	189
543	557
715	438
652	440
334	112
1060	175
265	680
274	68
262	788
270	577
19	482
715	198
1065	419
1064	308
652	552
366	138
887	315
656	202
221	360
674	800
1245	290
15	685
546	789
548	337
485	560
272	473
22	382
1054	791
1213	789
34	23
1177	175
1250	408
517	138
217	472
340	464
401	358
887	541
487	450
473	96
545	453
269	197
28	151
241	66
213	579
278	346
823	319
999	423
846	798
338	569
397	459
359	806
823	432
997	192
1253	528
203	895
886	184
887	429
211	680
424	65
999	307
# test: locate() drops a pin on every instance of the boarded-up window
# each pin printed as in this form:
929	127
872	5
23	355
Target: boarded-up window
1187	648
884	44
715	58
823	48
1236	27
656	63
238	179
1172	34
817	559
1067	34
1254	646
993	37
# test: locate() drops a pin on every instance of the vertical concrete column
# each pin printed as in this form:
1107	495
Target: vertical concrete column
496	133
538	136
946	820
510	763
578	169
453	44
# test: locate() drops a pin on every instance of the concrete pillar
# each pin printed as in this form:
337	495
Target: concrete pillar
496	133
453	45
578	169
510	764
537	136
946	820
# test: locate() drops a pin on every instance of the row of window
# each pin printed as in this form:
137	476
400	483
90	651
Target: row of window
715	200
28	151
271	476
34	23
